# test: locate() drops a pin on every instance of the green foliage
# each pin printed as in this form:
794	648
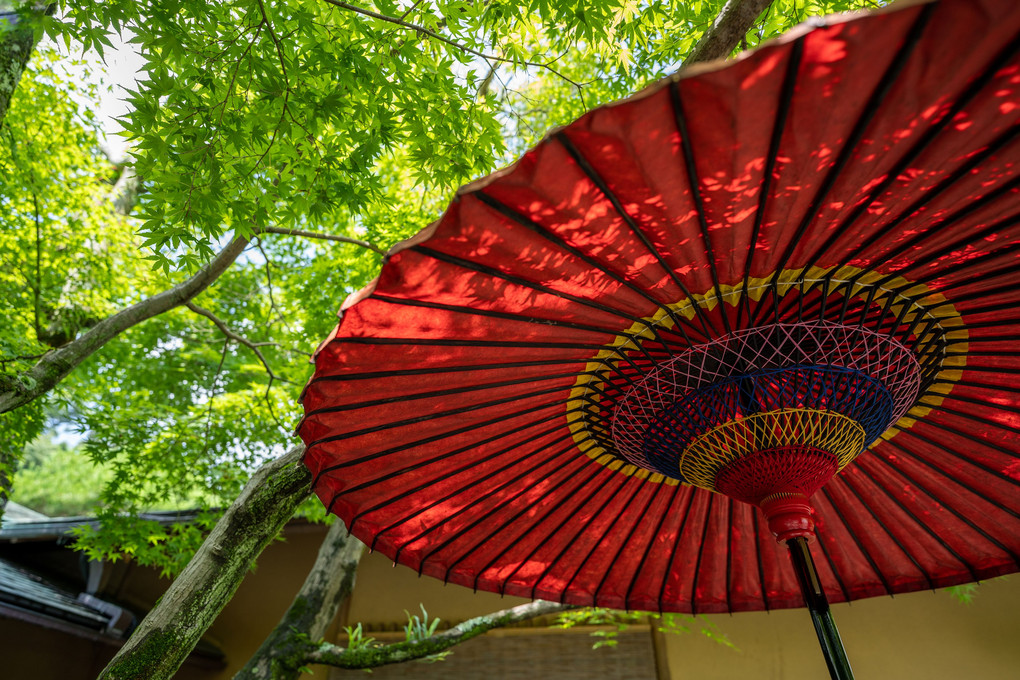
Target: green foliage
58	480
964	594
612	622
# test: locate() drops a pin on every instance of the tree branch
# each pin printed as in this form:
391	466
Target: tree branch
329	583
225	329
733	22
321	236
54	366
172	629
443	39
372	657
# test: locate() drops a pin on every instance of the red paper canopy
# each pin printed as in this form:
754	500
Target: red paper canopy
808	251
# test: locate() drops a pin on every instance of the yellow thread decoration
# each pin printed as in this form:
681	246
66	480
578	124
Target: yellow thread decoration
828	431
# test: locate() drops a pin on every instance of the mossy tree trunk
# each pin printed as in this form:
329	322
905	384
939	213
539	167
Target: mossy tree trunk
172	629
328	584
16	44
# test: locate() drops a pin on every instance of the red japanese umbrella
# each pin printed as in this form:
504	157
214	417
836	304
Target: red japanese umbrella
791	281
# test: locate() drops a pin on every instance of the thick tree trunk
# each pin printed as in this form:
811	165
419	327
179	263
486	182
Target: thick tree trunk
328	584
172	629
16	43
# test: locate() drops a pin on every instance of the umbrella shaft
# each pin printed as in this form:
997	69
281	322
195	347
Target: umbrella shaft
818	605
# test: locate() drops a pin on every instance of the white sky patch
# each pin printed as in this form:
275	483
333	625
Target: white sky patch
114	74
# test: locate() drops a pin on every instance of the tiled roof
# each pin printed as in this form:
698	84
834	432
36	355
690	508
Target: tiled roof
25	590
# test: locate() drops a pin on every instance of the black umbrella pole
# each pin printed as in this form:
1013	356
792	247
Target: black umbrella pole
814	597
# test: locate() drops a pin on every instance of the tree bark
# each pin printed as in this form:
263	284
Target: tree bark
17	41
55	365
734	21
172	629
328	584
373	657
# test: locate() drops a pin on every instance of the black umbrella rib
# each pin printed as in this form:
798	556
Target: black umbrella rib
550	510
963	382
445	393
904	509
955	396
597	180
943	473
971	207
435	438
636	484
857	541
531	285
982	339
692	491
782	113
593	490
461	309
694	183
948	506
531	345
868	113
701	552
978	325
505	524
969	461
450	412
986	353
963	266
546	460
567	544
679	321
514	464
972	90
832	565
948	249
675	488
757	519
436	370
425	463
1005	306
890	534
508	316
624	544
973	416
1006	370
459	342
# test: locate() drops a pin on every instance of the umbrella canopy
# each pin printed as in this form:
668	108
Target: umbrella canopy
791	280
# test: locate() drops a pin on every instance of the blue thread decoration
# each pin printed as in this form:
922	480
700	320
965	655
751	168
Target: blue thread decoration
841	390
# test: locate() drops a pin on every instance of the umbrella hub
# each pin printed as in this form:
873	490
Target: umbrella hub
769	412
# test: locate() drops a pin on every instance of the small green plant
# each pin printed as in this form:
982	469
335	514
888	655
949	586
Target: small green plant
418	629
356	639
